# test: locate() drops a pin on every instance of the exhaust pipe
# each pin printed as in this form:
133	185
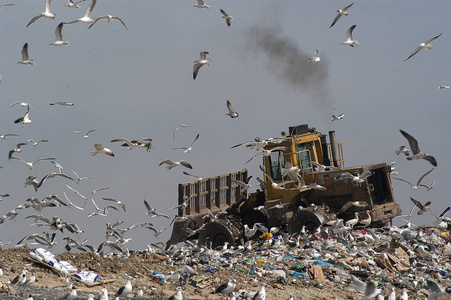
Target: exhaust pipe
326	160
333	147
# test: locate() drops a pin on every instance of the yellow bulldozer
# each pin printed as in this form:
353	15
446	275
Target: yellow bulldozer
304	185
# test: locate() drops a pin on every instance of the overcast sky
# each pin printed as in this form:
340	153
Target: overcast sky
138	83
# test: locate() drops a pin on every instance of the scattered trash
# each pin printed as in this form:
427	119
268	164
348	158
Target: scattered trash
86	276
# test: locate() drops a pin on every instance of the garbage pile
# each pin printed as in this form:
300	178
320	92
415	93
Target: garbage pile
406	259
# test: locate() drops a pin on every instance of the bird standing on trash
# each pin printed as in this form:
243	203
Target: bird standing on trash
125	289
225	288
71	295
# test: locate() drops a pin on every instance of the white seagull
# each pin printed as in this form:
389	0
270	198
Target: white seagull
358	178
443	87
21	103
417	185
275	185
86	134
59	37
232	113
369	289
188	149
4	136
314	58
201	4
177	296
341	12
36	143
203	60
47	13
350	41
177	129
436	290
425	45
62	103
87	17
172	164
109	18
125	289
417	154
31	180
73	4
402	149
30	165
336	118
25	119
132	144
100	149
227	17
25	58
225	288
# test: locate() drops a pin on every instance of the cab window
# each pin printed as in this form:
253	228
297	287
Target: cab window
304	153
276	161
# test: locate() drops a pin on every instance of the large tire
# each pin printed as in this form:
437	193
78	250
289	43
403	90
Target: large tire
310	220
217	233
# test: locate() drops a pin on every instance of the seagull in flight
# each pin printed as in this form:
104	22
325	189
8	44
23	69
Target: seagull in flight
337	118
25	58
172	164
109	18
188	149
275	185
30	165
417	185
132	144
201	4
62	103
203	60
232	113
368	289
17	149
36	143
350	41
21	103
4	136
100	149
417	154
72	4
444	87
402	149
31	180
425	45
227	17
341	12
192	175
152	212
25	119
118	202
87	133
422	207
87	17
358	178
314	58
80	178
59	37
47	13
177	129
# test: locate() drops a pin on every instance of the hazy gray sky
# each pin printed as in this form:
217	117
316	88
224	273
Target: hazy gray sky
138	83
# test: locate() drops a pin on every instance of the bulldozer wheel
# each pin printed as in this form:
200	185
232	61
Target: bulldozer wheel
217	234
310	220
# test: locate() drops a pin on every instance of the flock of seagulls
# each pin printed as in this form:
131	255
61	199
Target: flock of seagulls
48	239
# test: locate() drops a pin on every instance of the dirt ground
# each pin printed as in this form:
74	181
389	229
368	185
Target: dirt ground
112	275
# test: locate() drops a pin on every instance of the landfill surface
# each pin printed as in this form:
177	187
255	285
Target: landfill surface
307	266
